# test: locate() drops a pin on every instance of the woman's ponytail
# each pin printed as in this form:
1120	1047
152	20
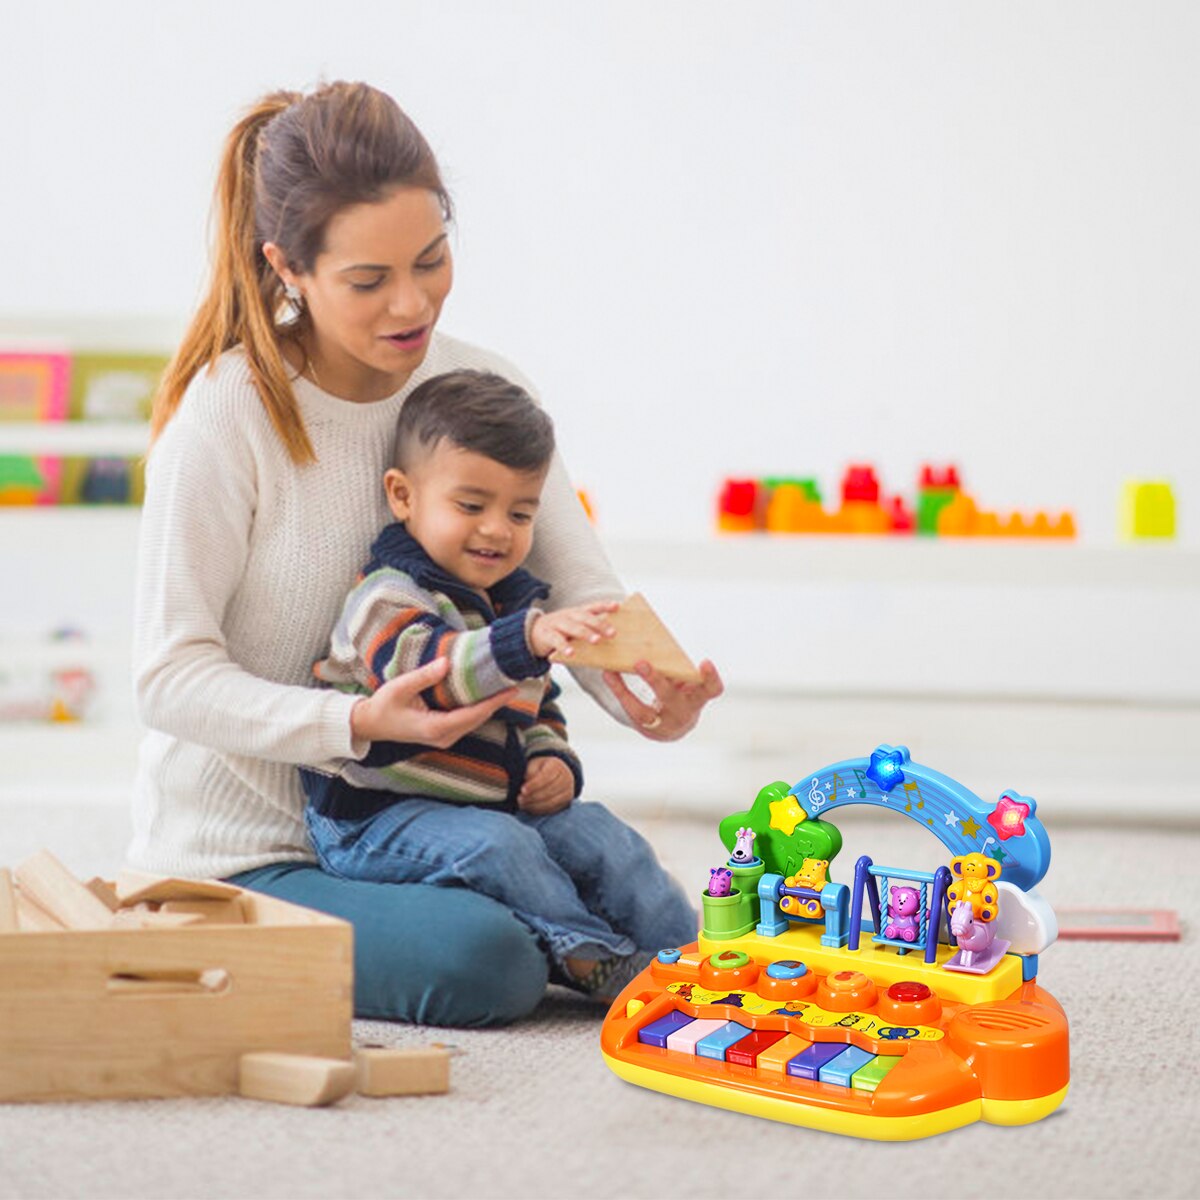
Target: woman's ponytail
244	293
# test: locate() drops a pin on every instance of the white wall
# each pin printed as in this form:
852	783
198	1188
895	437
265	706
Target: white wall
723	238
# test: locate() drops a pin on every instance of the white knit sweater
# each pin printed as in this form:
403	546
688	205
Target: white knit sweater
243	564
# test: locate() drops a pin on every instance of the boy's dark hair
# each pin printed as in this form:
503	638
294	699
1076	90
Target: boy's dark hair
477	411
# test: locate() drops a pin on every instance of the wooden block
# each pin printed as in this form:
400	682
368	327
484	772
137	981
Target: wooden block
144	918
33	918
640	636
8	902
53	888
211	912
295	1078
402	1071
133	887
104	892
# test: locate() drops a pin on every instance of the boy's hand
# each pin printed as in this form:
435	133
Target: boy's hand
549	786
555	631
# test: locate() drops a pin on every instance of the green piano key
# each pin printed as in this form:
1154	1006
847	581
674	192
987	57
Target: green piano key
866	1079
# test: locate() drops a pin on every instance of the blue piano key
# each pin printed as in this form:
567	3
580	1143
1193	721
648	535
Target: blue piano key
717	1042
657	1032
839	1070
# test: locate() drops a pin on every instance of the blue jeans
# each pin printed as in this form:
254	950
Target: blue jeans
421	954
583	881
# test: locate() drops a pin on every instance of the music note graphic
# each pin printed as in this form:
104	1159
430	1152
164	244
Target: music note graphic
816	798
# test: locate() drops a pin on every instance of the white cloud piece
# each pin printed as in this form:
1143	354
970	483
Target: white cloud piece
1025	920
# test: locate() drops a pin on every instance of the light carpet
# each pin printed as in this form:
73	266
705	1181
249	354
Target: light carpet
534	1112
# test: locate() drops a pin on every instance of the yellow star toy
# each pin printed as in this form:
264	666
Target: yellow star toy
786	814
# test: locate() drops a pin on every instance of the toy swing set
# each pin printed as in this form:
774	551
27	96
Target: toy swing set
900	1005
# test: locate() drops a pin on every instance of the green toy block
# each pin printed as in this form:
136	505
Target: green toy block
808	486
930	503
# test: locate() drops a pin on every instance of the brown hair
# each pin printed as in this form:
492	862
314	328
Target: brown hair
288	167
476	411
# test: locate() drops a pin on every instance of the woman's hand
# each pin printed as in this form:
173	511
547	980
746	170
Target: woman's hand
676	706
396	712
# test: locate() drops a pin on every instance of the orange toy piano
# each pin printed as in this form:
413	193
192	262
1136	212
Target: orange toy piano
901	1004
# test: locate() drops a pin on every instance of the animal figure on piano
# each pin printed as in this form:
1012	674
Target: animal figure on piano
812	875
719	881
975	873
974	937
743	850
902	913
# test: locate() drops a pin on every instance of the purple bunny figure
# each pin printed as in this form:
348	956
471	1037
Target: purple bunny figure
743	847
902	907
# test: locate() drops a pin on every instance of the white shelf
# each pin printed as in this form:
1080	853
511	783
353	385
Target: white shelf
1026	563
97	438
931	617
79	332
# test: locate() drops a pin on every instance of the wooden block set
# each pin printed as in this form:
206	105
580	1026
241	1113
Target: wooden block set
153	986
42	896
375	1071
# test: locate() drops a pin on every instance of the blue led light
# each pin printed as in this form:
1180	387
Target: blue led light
886	768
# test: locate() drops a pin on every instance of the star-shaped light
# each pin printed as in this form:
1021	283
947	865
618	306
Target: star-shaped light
1008	817
887	766
786	814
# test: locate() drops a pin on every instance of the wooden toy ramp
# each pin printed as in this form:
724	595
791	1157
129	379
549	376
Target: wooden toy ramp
641	636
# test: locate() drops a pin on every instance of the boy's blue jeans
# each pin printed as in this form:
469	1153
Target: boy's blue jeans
587	884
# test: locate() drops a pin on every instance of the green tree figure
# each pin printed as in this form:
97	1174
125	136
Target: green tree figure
784	835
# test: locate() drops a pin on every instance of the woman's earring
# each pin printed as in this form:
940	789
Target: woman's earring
295	299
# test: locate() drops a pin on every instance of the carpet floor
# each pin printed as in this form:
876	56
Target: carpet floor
534	1112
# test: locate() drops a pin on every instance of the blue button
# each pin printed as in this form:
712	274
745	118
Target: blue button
668	956
787	968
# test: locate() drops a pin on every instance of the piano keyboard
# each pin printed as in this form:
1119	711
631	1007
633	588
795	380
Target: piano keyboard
769	1050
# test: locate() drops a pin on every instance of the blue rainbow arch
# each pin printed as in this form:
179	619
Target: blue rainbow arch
1006	829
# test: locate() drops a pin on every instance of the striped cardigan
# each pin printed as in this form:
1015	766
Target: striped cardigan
405	611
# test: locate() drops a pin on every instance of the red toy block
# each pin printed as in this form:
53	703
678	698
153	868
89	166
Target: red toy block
947	478
860	483
737	506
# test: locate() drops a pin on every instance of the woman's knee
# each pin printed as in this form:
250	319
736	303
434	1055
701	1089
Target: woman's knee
435	956
462	959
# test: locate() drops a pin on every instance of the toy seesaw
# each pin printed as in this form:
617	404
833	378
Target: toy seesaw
898	1006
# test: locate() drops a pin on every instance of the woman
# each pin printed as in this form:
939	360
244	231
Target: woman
271	431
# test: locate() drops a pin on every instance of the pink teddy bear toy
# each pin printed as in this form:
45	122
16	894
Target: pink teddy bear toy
902	909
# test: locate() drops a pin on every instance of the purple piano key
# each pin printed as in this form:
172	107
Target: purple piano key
657	1032
808	1063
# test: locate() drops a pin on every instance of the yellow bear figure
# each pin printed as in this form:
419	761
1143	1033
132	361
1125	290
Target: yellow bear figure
973	882
811	875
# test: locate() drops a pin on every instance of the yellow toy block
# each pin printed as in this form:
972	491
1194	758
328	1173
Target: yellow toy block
1147	510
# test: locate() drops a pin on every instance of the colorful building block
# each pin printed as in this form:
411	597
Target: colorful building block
1147	510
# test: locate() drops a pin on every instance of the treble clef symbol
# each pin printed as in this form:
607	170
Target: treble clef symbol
816	797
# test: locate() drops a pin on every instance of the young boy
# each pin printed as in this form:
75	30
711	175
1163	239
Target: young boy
497	812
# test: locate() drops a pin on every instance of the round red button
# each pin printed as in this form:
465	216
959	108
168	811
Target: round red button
909	991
